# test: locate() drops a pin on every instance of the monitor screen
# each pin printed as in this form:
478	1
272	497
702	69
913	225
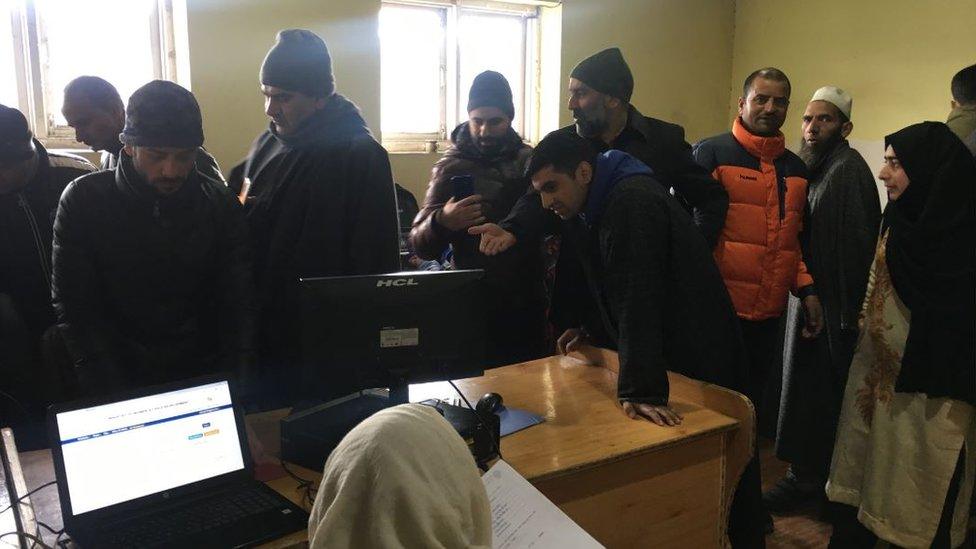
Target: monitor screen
363	332
117	452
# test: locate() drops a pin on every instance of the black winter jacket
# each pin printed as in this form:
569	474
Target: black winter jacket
26	221
649	288
150	289
517	273
321	203
661	146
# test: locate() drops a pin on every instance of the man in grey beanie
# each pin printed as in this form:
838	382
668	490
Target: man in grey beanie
318	196
600	88
152	269
491	153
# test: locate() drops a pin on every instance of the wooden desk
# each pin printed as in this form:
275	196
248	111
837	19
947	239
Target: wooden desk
628	483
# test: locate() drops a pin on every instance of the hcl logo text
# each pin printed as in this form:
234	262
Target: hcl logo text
396	282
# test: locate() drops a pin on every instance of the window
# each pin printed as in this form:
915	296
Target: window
430	54
47	43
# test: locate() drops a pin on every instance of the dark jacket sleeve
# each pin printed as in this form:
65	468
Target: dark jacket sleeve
237	299
375	234
235	179
636	281
428	238
76	298
528	220
571	298
693	184
860	217
207	165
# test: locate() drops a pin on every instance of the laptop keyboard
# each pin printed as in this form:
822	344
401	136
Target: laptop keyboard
195	520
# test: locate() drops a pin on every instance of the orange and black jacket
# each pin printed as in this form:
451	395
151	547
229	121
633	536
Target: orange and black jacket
758	251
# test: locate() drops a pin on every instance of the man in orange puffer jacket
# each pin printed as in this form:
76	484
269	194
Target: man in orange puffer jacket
758	251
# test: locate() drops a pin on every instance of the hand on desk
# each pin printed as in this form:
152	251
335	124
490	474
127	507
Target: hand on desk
661	415
571	340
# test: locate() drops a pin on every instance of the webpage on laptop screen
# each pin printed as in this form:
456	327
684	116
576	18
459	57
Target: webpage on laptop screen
125	450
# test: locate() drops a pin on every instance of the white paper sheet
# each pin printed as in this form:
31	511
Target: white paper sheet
521	517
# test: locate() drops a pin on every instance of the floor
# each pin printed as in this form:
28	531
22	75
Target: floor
801	531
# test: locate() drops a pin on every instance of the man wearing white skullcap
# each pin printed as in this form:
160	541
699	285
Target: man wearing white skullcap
843	225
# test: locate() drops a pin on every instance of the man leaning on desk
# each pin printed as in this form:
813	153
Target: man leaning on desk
646	283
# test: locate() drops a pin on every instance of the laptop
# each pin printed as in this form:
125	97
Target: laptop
166	466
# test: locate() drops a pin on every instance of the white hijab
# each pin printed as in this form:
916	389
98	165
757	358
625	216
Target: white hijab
402	478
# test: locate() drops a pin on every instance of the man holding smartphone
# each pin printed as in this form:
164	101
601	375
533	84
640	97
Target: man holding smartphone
478	181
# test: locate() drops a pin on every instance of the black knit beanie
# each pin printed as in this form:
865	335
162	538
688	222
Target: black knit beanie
299	62
163	114
16	141
606	72
490	89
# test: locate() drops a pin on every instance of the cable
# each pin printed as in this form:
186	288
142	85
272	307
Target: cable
58	542
303	484
49	529
53	532
21	498
36	539
496	444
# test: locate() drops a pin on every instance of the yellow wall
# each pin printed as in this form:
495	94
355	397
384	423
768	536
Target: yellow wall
229	38
895	57
679	51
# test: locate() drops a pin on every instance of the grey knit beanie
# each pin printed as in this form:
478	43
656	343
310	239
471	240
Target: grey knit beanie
163	114
490	89
299	62
606	72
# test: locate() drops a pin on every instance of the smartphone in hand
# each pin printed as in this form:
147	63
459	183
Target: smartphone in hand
463	186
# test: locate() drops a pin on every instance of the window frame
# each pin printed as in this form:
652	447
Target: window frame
527	102
31	61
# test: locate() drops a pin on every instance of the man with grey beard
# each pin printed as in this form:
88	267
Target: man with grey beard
843	225
600	89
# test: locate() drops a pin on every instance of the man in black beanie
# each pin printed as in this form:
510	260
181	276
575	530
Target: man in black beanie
318	195
31	181
487	149
600	88
152	269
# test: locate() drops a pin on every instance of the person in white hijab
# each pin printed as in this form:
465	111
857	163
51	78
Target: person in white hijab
401	478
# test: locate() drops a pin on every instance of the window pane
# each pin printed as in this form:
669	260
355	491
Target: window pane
8	84
491	42
106	38
411	47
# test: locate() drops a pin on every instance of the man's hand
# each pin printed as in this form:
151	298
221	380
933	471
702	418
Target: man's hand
813	316
661	415
461	214
571	340
494	239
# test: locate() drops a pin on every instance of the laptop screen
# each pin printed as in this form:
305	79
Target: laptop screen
121	451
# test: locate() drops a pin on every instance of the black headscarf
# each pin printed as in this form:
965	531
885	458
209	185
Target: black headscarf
931	255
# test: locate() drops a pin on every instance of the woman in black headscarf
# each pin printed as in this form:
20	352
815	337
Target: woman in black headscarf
904	457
